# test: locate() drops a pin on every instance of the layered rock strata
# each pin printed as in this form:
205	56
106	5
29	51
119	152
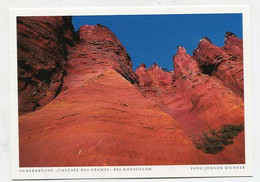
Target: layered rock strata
198	101
100	118
81	103
225	63
42	44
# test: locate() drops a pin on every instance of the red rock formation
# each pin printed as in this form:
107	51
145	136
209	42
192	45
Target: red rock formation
199	103
224	63
233	46
99	40
154	81
42	53
202	92
106	114
191	91
100	118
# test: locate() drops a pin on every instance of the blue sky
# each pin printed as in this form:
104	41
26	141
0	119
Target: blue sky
154	38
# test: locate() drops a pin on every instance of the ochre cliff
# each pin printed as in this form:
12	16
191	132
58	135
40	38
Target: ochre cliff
154	82
100	117
103	113
42	44
198	102
225	63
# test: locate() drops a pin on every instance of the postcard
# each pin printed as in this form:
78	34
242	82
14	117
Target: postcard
130	92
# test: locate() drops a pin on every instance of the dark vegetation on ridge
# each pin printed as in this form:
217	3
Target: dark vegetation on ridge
215	141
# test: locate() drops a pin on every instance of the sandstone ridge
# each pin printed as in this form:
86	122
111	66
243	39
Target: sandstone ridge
81	103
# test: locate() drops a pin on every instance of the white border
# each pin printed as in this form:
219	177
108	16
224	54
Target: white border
156	171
